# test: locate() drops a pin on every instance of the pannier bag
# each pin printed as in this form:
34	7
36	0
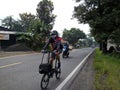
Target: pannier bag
44	68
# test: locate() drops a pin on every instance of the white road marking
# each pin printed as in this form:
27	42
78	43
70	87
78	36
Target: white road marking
18	55
73	72
13	64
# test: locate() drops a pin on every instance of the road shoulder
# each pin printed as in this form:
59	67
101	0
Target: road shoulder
84	79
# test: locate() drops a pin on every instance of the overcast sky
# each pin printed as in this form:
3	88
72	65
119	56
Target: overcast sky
62	8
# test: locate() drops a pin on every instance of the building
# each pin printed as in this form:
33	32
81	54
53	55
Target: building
7	37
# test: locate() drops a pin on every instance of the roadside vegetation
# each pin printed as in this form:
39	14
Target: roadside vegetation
103	17
107	71
35	29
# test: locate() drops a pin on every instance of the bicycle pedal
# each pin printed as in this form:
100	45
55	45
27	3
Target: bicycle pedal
59	71
51	73
52	69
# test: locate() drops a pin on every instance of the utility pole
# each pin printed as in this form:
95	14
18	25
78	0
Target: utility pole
0	40
99	7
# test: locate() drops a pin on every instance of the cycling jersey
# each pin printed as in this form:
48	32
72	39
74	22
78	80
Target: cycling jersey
55	43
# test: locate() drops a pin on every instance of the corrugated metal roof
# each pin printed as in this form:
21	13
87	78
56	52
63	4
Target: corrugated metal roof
8	31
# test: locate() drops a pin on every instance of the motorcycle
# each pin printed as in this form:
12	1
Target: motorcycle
65	52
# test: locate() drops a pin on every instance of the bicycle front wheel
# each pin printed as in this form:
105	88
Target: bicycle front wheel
58	73
44	81
57	69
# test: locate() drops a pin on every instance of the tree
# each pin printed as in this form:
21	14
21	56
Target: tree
115	37
27	21
36	28
32	26
8	22
44	12
17	26
73	35
103	16
12	24
90	40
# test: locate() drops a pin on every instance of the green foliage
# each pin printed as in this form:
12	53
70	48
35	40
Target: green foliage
103	16
8	22
31	26
31	40
107	71
73	35
115	36
44	12
12	24
35	28
27	21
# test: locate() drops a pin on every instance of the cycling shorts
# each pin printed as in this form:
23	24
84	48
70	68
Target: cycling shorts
53	53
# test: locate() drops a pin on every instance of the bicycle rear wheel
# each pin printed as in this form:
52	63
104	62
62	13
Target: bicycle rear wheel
44	81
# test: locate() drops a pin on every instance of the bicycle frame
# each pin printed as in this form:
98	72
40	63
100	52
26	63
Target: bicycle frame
47	76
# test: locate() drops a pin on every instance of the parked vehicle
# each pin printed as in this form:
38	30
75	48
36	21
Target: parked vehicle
112	47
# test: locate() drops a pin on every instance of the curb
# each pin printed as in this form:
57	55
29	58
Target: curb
65	84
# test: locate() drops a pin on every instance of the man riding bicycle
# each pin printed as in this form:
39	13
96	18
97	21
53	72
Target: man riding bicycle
55	42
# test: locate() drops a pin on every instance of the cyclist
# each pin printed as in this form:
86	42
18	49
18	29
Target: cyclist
57	47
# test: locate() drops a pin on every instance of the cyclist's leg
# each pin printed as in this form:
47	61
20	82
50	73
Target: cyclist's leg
59	64
58	57
51	63
52	58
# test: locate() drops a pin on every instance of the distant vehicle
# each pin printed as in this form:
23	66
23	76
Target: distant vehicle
112	47
65	51
77	46
92	46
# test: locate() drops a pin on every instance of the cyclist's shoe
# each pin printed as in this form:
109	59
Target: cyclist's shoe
59	71
50	66
59	65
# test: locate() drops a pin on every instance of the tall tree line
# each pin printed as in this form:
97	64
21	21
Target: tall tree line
103	16
73	35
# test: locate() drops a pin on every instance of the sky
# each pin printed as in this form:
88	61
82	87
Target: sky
62	8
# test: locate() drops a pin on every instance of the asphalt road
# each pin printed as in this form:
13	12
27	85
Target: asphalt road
21	72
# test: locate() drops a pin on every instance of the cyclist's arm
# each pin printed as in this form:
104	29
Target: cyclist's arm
58	45
46	44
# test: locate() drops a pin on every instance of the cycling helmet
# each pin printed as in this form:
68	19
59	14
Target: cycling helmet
54	33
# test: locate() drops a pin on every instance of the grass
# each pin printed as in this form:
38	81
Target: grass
107	71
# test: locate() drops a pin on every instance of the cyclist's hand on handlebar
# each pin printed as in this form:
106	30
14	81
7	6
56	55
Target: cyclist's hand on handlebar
44	51
54	51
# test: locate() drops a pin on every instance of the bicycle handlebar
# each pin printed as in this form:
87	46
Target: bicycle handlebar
47	51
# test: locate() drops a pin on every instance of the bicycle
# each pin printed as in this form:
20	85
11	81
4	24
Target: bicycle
47	72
